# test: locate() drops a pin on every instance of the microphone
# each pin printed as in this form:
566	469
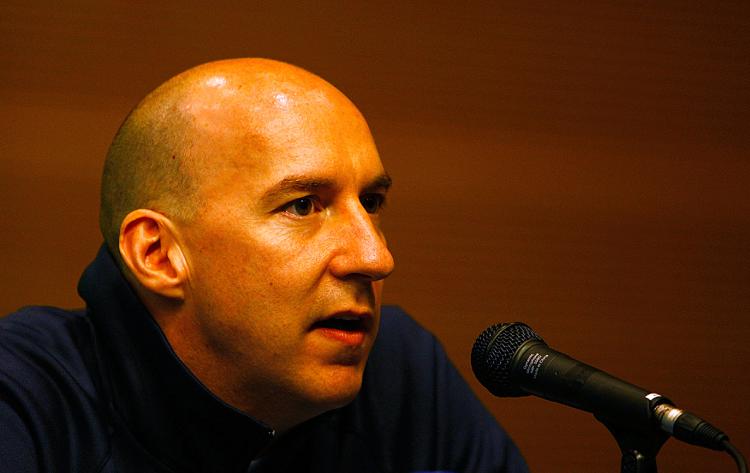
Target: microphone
510	359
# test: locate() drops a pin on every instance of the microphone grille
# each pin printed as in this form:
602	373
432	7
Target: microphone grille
492	356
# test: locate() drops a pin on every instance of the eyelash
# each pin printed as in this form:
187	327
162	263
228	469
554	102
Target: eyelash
314	201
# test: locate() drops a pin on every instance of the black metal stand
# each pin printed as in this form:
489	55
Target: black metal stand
638	446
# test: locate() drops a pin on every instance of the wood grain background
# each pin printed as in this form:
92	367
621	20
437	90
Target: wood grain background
580	167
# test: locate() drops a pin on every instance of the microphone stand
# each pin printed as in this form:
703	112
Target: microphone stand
639	446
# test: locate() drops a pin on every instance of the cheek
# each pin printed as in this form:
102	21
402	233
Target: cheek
290	260
268	256
257	269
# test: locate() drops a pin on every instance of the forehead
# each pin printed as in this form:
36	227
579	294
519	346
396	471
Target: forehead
259	137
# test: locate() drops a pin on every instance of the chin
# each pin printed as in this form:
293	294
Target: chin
339	390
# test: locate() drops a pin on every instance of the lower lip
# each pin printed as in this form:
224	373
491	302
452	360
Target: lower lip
349	338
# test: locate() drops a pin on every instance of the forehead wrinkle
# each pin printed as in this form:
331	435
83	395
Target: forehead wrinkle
300	183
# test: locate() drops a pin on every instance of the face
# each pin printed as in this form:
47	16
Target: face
285	255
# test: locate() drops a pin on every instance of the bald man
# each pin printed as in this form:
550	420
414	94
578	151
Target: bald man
232	313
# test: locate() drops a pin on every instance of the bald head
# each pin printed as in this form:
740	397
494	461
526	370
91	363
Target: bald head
242	200
192	125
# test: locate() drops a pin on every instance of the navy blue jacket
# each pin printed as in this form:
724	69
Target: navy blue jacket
100	390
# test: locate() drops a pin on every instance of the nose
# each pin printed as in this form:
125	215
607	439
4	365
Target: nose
361	248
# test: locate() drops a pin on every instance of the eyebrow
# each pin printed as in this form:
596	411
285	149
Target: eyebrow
291	184
382	182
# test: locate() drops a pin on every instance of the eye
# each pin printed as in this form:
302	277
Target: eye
372	203
300	207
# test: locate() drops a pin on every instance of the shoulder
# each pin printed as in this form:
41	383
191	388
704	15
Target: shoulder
409	357
408	362
411	390
48	388
406	358
41	323
41	342
400	334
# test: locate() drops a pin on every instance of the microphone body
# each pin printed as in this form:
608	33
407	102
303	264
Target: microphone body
512	360
544	372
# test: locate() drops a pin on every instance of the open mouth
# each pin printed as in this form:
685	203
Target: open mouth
344	323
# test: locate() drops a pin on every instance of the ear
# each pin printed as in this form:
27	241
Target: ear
152	253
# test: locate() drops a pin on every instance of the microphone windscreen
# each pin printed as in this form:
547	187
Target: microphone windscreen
492	356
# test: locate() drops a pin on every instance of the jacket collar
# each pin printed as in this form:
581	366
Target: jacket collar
177	419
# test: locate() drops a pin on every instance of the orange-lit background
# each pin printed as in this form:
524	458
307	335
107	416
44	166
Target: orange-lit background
581	168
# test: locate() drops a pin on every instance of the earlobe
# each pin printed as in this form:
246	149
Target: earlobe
152	254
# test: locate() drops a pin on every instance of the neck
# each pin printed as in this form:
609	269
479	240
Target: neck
220	372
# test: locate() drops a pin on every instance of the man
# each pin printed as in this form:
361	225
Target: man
231	313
